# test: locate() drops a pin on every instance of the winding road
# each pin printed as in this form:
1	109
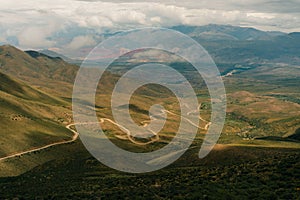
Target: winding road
75	136
102	120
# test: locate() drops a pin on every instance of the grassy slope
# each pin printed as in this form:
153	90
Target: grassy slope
49	74
29	117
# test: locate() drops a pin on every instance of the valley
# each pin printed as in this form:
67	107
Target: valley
257	154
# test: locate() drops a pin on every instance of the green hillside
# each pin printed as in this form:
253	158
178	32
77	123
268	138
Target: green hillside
29	117
53	75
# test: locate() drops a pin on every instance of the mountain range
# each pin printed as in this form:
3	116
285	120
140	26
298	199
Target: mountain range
233	45
226	32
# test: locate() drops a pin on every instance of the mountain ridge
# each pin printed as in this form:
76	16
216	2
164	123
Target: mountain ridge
223	32
30	64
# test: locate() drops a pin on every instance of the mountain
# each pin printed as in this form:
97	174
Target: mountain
37	69
34	64
54	54
232	45
226	32
281	49
35	95
295	35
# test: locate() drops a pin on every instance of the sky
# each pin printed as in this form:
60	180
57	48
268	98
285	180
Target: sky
70	26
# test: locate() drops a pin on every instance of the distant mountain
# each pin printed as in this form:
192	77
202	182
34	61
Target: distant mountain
232	45
295	35
54	54
36	54
226	32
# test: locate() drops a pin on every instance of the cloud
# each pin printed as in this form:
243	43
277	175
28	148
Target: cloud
73	24
122	13
35	37
265	6
98	21
81	41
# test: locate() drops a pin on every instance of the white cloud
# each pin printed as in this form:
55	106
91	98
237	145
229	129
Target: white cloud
34	37
81	41
99	14
97	21
35	22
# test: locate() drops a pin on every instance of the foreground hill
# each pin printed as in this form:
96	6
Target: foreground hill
29	117
229	173
33	114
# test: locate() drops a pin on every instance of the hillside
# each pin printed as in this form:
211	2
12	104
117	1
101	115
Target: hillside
296	135
34	106
29	117
48	73
235	172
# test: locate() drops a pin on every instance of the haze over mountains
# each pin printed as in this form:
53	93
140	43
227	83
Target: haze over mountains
226	32
231	44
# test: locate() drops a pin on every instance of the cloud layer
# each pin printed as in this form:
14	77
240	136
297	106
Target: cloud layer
74	24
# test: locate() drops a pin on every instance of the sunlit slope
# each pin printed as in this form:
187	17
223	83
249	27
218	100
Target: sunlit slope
50	74
29	117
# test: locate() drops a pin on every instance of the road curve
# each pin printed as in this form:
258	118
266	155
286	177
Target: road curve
75	136
130	138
